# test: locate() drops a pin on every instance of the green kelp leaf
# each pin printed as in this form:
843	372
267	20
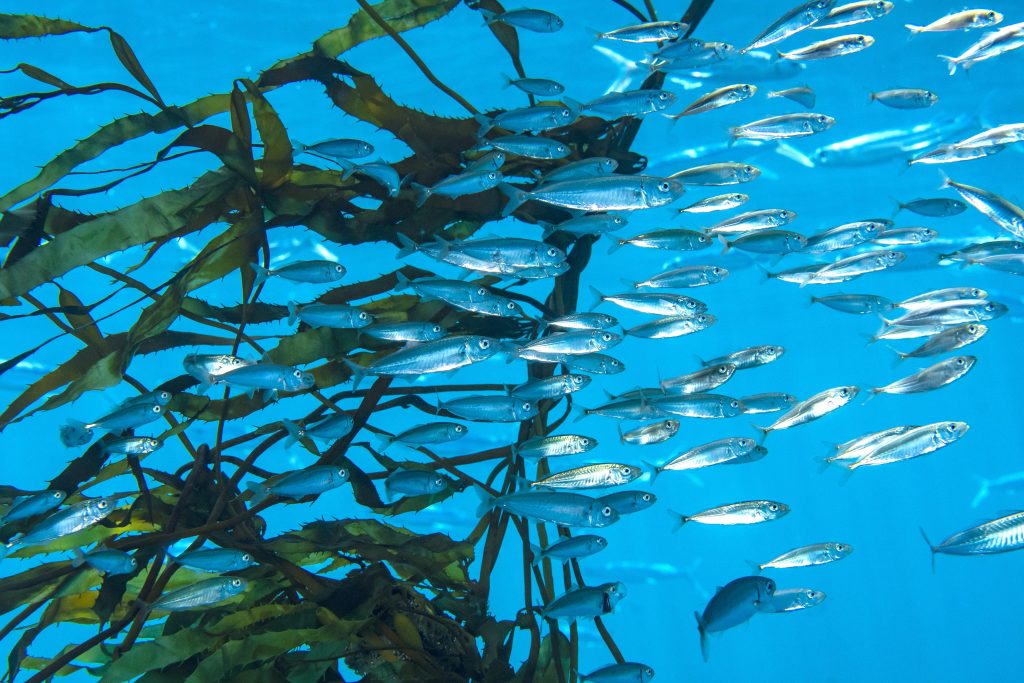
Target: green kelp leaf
159	653
506	35
401	15
277	148
546	671
239	622
37	663
85	326
432	557
130	62
30	585
111	135
30	26
38	74
81	469
136	224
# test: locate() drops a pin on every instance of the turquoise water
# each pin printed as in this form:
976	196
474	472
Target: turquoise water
887	616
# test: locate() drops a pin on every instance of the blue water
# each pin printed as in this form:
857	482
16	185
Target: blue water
887	616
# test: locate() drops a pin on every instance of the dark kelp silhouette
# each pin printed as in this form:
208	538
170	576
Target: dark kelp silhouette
409	610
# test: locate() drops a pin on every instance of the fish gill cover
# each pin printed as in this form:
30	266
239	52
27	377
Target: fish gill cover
174	534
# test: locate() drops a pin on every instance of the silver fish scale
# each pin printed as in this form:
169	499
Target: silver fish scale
438	356
556	507
998	536
590	476
203	593
68	521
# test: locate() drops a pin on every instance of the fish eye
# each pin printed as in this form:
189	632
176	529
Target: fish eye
843	392
702	239
133	562
157	409
990	15
606	511
972	328
744	442
734	404
527	406
722	369
859	40
584	441
485	343
435	328
439	481
663	96
246	557
646	497
771	586
676	26
614	363
363	315
606	337
823	119
977	292
564	113
783	214
601	542
552	252
772	507
627	470
511	305
58	494
561	148
745	88
749	169
664	187
491	176
649	672
716	270
959	361
103	504
951	426
165	395
339	269
236	582
840	547
458	429
297	373
990	306
343	473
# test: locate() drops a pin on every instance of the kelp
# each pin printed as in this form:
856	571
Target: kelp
370	594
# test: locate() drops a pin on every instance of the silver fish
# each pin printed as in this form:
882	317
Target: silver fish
948	340
426	434
735	602
855	449
946	313
571	343
778	242
1007	263
78	433
783	127
706	455
209	368
491	408
216	560
749	358
149	398
536	20
905	237
650	32
592	167
935	376
720	202
707	406
609	193
301	483
912	444
592	224
330	428
746	512
470	182
855	303
310	272
771	402
654	302
133	445
658	432
831	47
542	87
629	502
71	519
110	562
442	355
819	405
630	103
201	594
584	321
1000	535
809	555
999	210
672	240
344	148
672	326
763	219
571	548
551	387
557	507
793	599
935	208
721	173
845	236
1010	37
594	363
585	602
626	671
409	331
687	276
415	483
959	21
529	146
627	409
802	95
599	476
905	98
951	154
35	504
533	119
699	381
270	377
488	161
793	21
994	137
942	296
718	98
337	316
855	266
555	446
383	173
854	13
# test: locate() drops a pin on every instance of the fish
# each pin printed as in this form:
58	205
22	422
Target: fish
463	295
148	398
77	433
707	406
426	434
306	272
905	98
653	302
797	19
443	355
554	446
854	13
1007	263
994	44
470	182
629	502
718	98
562	508
783	127
948	312
648	32
912	444
706	455
793	599
586	602
201	594
133	445
672	326
959	21
576	342
70	520
856	448
216	560
687	276
40	503
720	202
627	409
994	137
942	296
383	173
629	103
415	483
802	95
569	548
762	219
778	242
749	358
591	167
951	154
931	378
885	145
633	672
583	321
536	20
300	483
534	119
609	193
671	239
999	210
599	476
905	236
731	605
344	148
491	408
699	381
831	47
108	561
337	316
1002	535
809	555
270	377
819	405
488	161
209	368
594	363
551	387
722	173
949	339
408	331
330	428
934	208
771	402
691	54
542	87
529	146
591	224
855	303
855	266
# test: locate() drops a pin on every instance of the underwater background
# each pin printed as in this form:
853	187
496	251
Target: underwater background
887	615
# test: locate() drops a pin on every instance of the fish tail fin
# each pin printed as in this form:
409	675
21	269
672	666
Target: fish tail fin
485	121
538	557
508	82
726	244
900	356
79	558
875	391
598	297
358	373
259	492
422	194
408	246
516	197
347	167
622	439
871	97
293	312
951	62
75	433
680	520
293	432
931	547
298	147
486	500
914	29
582	414
754	566
824	464
655	469
616	245
627	68
871	338
490	16
765	431
401	281
261	274
702	630
384	441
